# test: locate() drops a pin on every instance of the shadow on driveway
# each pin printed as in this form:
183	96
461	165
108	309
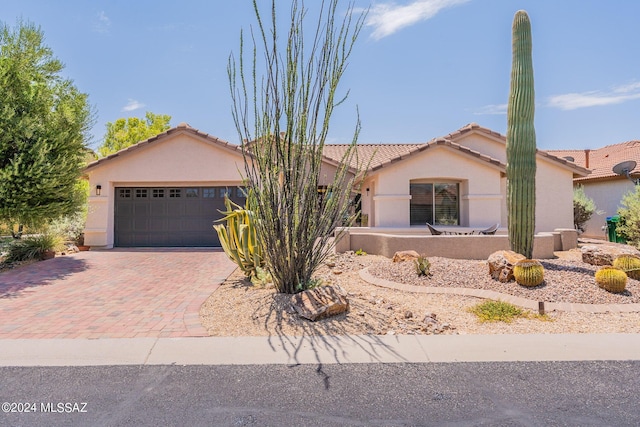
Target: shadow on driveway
15	282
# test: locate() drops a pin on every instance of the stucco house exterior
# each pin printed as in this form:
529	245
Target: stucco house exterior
458	179
167	190
605	187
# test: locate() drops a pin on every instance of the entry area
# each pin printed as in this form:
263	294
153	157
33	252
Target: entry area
170	216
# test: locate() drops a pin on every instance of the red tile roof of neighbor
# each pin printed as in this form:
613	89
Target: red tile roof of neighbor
602	160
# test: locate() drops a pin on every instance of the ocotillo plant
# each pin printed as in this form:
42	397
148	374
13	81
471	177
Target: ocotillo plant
521	141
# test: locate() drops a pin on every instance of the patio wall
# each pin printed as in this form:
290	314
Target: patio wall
388	242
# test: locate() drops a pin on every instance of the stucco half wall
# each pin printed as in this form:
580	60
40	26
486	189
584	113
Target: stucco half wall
388	242
183	157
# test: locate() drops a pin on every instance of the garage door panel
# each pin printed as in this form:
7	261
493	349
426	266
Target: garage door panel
170	216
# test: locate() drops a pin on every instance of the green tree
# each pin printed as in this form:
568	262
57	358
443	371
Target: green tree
583	208
128	131
44	124
284	113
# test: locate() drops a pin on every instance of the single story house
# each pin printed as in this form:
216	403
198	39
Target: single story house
458	179
604	186
167	190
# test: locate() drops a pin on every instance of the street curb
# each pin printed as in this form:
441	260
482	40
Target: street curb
346	349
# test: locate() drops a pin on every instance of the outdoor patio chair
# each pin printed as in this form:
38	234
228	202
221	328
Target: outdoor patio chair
434	231
490	231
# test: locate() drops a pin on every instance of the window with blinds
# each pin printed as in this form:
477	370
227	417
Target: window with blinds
435	203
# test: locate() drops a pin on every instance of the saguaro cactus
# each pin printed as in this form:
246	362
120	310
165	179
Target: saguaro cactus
521	141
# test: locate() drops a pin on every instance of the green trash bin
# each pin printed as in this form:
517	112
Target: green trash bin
612	225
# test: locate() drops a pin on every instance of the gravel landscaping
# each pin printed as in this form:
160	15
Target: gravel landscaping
238	308
565	280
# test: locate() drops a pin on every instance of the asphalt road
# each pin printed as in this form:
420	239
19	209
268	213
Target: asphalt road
433	394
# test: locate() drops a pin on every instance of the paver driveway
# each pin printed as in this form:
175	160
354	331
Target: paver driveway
111	294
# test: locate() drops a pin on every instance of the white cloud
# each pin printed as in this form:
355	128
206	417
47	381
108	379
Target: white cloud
617	95
132	105
102	23
387	18
492	109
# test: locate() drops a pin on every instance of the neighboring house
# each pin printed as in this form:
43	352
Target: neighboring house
167	190
605	187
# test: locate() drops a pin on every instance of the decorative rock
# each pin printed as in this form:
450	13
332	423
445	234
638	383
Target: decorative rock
605	254
501	265
402	256
337	272
319	303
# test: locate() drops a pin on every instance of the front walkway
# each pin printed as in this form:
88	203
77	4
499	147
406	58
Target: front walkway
111	294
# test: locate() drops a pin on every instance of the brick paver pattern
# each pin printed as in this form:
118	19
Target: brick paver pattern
111	294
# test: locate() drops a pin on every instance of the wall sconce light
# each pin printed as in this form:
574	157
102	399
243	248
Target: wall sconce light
98	189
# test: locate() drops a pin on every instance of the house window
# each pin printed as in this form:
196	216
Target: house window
125	193
436	203
224	192
141	193
191	192
157	193
209	193
241	192
174	192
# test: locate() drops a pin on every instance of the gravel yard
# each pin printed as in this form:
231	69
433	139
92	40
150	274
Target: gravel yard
238	308
565	280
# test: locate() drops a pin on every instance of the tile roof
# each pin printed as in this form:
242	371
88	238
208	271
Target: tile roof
602	160
376	156
385	154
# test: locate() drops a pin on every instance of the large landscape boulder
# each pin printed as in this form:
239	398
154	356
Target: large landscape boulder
501	265
319	303
402	256
604	254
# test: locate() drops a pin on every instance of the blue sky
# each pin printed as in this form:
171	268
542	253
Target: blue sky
421	68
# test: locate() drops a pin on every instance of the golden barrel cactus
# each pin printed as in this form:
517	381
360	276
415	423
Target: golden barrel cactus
611	279
630	264
528	272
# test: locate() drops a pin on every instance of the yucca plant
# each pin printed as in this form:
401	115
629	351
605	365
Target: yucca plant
611	279
630	264
239	238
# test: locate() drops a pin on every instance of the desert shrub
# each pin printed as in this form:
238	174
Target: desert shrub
583	208
496	311
33	247
422	266
629	225
282	113
69	227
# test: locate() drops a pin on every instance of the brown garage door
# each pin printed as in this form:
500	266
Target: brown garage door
169	216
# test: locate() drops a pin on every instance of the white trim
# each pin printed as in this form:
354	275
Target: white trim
391	197
482	197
